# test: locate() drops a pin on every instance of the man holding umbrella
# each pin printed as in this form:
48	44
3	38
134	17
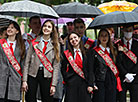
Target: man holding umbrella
127	64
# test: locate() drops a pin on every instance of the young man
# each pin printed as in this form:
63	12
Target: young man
70	28
127	64
79	27
35	25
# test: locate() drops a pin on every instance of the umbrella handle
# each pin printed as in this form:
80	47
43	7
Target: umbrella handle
23	96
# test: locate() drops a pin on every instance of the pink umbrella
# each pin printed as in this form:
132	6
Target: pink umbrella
60	20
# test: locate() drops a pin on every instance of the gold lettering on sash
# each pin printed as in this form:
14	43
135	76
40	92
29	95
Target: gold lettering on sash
11	57
42	57
73	64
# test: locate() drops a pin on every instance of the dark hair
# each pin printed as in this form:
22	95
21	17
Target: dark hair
78	20
33	17
2	30
109	43
20	41
128	25
70	47
69	23
54	38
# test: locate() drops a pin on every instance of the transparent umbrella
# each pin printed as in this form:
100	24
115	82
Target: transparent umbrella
27	8
4	20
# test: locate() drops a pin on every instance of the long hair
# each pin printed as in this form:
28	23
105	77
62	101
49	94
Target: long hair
54	38
18	38
109	43
70	47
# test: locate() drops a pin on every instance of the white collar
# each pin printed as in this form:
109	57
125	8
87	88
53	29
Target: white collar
33	35
76	50
125	41
42	39
107	48
14	42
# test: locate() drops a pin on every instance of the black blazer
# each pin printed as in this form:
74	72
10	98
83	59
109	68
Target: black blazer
125	65
96	67
68	75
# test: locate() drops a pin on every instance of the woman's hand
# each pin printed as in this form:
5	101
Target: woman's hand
120	48
52	90
24	86
90	89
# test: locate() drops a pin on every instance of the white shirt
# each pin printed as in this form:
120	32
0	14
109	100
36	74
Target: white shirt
108	49
14	44
130	42
79	52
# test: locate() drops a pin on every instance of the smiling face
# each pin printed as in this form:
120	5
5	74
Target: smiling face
11	30
74	40
104	37
47	28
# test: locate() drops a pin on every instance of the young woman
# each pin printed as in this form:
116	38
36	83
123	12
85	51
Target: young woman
72	70
103	73
12	53
42	64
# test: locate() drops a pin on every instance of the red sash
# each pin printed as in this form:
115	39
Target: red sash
10	55
44	60
88	43
29	38
127	52
110	64
73	64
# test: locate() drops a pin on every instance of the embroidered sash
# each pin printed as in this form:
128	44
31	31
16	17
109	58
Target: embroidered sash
10	55
127	52
73	64
44	60
110	64
88	43
29	38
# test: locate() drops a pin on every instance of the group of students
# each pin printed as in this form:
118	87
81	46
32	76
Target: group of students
92	71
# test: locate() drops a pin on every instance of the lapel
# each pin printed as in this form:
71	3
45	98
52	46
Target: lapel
100	59
17	52
39	46
49	47
133	45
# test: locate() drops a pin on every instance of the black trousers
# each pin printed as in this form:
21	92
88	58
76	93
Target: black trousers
44	88
5	100
133	90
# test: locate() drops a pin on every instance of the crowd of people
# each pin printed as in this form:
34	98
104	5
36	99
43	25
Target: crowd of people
67	68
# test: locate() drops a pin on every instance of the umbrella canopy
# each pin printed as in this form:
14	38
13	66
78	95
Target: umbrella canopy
59	21
4	20
136	10
27	8
117	18
117	6
76	9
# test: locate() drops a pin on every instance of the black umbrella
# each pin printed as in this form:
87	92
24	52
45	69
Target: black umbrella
76	9
117	18
27	8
